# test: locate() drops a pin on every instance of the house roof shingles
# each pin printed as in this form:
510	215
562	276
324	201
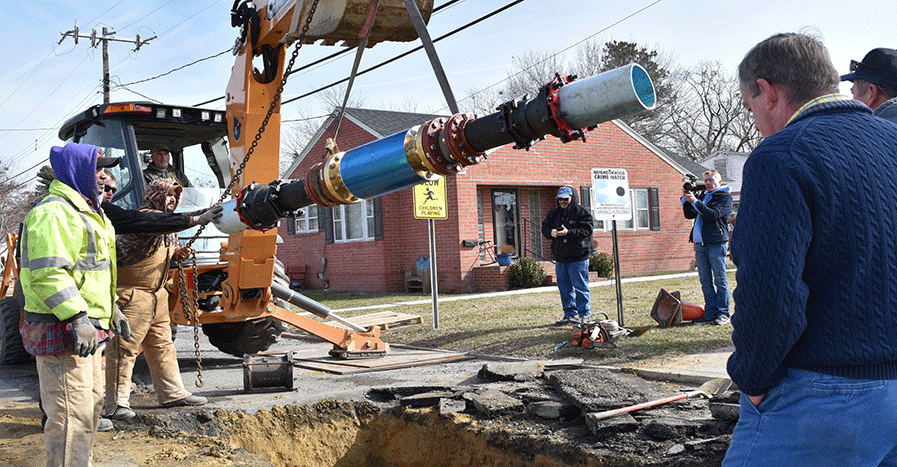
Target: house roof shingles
387	122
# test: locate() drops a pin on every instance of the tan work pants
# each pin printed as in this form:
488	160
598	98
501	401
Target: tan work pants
151	329
71	393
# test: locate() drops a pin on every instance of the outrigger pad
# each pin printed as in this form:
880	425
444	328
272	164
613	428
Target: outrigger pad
667	309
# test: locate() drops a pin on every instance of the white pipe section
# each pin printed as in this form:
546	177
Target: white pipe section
609	95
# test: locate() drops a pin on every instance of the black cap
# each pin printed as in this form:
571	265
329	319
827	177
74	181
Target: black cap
878	67
160	147
106	162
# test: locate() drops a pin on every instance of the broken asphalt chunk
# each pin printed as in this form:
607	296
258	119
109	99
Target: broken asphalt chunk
511	371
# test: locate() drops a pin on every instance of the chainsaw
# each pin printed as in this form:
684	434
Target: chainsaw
601	334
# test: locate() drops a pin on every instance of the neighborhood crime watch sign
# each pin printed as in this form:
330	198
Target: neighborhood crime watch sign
430	200
610	194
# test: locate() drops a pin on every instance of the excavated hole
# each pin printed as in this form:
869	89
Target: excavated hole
352	434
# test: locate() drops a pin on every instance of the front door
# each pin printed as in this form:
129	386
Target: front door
506	219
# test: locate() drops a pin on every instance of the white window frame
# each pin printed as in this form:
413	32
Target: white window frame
340	213
304	221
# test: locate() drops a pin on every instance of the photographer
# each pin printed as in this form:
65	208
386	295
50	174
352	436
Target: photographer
710	235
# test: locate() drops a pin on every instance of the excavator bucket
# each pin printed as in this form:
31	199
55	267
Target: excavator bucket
347	21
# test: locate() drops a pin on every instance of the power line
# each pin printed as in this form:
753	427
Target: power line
26	129
175	69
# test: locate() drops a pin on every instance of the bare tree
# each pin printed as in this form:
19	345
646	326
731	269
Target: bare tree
15	202
709	115
299	132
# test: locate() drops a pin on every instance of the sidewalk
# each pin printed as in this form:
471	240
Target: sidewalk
691	369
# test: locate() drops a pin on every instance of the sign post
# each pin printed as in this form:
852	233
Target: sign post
430	203
611	201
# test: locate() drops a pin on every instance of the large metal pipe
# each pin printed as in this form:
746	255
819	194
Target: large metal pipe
308	304
564	108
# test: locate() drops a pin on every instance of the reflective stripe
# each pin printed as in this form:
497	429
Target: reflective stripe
23	249
48	262
60	297
89	263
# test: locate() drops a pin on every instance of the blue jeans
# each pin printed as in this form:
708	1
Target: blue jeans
711	259
820	420
573	283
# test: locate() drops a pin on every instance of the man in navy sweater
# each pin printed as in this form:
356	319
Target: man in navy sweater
815	323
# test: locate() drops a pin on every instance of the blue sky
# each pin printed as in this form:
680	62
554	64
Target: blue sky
43	82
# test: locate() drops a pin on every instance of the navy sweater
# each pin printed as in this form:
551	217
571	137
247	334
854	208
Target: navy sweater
815	243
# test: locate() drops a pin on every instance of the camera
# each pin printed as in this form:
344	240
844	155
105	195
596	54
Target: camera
692	184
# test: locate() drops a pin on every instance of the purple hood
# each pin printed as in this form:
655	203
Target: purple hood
76	166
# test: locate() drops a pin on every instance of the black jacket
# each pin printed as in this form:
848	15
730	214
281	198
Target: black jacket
127	221
577	244
714	217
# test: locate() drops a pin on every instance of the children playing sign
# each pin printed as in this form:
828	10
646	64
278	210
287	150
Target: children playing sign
430	200
610	194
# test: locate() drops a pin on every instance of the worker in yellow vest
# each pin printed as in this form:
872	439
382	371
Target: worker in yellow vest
68	278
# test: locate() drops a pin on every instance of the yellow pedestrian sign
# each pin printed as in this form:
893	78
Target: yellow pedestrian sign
430	200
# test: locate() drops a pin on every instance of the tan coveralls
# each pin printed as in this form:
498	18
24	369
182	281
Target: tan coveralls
143	299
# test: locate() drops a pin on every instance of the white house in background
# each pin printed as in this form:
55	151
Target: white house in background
729	165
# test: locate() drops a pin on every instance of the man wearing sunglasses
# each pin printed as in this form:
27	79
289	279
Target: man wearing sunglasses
109	187
875	82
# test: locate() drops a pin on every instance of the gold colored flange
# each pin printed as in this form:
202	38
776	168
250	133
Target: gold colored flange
334	180
414	151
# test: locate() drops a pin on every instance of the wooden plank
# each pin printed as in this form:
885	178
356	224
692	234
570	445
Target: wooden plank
399	356
384	319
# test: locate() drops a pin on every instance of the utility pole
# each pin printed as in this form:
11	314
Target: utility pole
105	38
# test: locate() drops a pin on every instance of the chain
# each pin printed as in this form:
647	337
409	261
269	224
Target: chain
191	307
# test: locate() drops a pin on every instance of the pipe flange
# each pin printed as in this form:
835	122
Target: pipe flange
334	180
432	147
414	152
456	140
553	99
322	186
313	187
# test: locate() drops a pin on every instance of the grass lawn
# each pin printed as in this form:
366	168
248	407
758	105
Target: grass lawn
522	325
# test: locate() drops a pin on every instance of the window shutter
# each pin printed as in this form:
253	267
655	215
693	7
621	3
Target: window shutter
291	224
378	218
327	225
321	224
585	197
654	208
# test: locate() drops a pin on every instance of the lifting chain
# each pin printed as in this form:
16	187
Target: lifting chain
190	307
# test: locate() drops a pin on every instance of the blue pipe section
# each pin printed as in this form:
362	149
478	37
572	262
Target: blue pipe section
378	168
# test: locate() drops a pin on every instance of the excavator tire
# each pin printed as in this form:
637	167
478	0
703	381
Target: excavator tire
254	336
245	337
12	352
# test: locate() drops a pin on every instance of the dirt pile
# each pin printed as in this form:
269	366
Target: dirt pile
514	415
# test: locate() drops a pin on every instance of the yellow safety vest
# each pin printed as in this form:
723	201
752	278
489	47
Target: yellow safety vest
68	259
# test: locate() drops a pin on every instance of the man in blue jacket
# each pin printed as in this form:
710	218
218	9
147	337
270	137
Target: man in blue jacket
569	227
815	330
710	235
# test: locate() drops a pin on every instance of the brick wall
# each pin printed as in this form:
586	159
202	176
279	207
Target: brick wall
381	265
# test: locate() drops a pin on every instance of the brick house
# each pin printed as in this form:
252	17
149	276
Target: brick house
372	245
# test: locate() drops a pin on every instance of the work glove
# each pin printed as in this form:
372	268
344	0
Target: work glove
121	325
85	336
210	215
